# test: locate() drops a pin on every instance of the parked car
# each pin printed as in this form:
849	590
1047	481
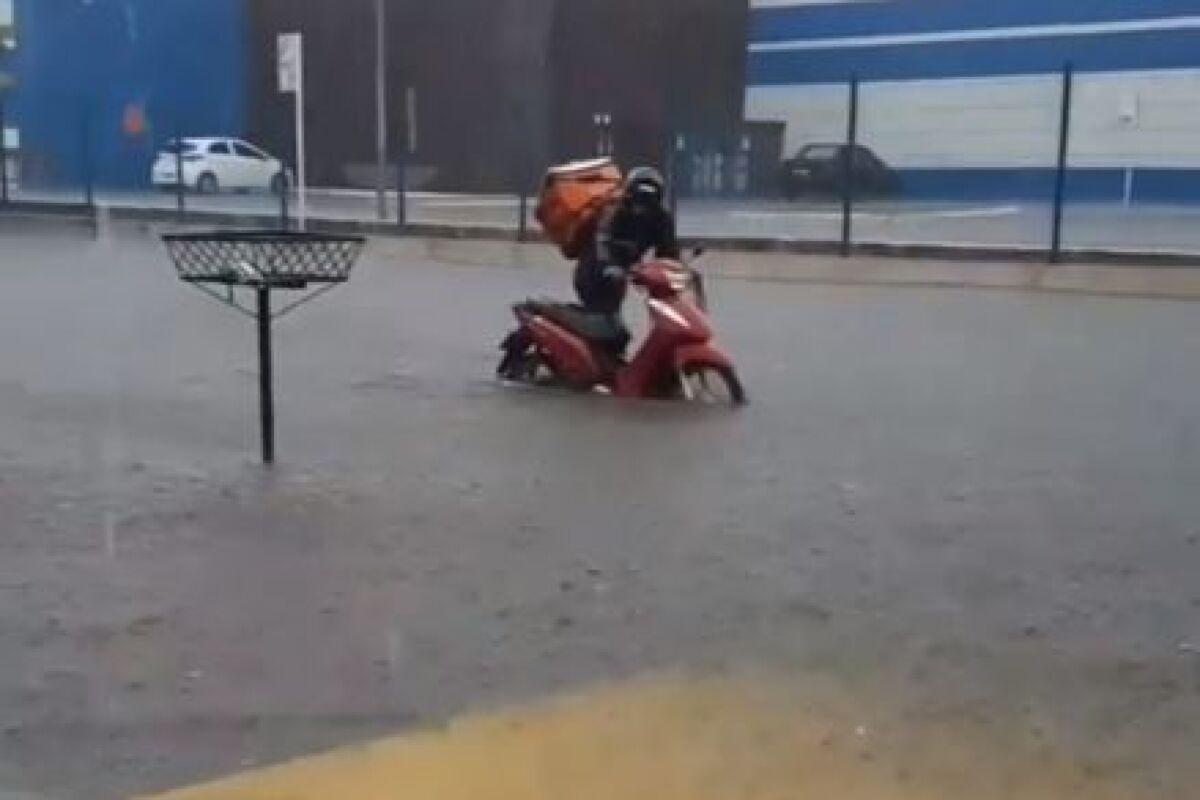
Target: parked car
211	165
820	169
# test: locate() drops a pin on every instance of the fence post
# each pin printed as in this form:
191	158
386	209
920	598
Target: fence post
848	169
680	172
89	190
522	213
3	157
284	217
523	182
1060	178
672	180
180	203
402	186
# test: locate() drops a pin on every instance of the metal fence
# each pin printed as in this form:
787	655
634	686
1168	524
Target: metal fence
1042	165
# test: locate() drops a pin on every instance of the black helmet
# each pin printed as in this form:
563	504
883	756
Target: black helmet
645	185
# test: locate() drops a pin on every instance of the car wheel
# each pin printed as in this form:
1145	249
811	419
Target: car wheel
208	184
279	184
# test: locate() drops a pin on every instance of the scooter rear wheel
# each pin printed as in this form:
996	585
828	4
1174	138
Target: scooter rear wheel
521	363
713	385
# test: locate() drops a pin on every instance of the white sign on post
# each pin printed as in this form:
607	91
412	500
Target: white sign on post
289	62
291	81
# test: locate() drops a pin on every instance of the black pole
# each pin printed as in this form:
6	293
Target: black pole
283	205
3	158
89	192
180	204
1060	178
672	178
402	185
848	169
266	400
381	115
284	223
523	182
522	216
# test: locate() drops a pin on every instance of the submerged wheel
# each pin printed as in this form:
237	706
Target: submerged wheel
521	362
713	385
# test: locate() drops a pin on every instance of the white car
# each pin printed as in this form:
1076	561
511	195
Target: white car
211	165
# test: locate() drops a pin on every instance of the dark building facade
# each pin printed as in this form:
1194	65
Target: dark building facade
660	68
502	87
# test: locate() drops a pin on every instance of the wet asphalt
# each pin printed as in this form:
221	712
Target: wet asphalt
979	506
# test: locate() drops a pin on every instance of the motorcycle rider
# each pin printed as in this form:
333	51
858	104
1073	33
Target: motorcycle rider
626	231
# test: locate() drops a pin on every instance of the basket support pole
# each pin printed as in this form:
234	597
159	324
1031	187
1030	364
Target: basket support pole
266	398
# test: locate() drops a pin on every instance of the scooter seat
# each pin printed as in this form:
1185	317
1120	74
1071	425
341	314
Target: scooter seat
604	330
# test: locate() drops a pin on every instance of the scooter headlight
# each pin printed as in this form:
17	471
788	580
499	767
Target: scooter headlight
678	280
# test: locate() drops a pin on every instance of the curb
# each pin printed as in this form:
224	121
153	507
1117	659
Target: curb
1103	272
895	250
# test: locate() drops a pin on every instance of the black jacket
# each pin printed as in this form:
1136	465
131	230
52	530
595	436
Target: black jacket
628	231
624	234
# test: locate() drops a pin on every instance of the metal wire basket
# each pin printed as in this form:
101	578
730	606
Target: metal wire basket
263	258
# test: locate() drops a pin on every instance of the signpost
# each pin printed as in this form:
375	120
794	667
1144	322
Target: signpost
407	148
291	81
381	148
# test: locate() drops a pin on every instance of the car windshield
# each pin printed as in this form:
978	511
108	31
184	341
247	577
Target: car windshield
247	151
820	152
180	147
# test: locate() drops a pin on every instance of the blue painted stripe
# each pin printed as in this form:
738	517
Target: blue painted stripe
1107	53
1012	35
1166	186
977	185
883	18
1036	185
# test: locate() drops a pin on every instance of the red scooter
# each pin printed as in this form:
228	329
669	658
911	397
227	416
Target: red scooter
558	343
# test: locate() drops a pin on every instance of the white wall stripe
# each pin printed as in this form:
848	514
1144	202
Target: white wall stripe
1145	119
983	34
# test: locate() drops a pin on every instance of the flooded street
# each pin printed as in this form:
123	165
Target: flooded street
953	542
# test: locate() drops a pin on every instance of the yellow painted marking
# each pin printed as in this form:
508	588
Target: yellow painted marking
672	738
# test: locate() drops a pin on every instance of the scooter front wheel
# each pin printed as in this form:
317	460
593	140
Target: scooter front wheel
712	384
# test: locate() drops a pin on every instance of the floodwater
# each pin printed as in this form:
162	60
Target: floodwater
963	522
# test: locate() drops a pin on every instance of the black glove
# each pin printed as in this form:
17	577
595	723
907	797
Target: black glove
613	273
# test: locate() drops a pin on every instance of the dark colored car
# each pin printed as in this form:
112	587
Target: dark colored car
820	169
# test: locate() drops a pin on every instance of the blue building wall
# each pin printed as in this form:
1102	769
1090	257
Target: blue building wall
90	72
6	62
1137	45
962	98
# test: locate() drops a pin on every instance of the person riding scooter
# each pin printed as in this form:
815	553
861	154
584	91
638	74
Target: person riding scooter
626	231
